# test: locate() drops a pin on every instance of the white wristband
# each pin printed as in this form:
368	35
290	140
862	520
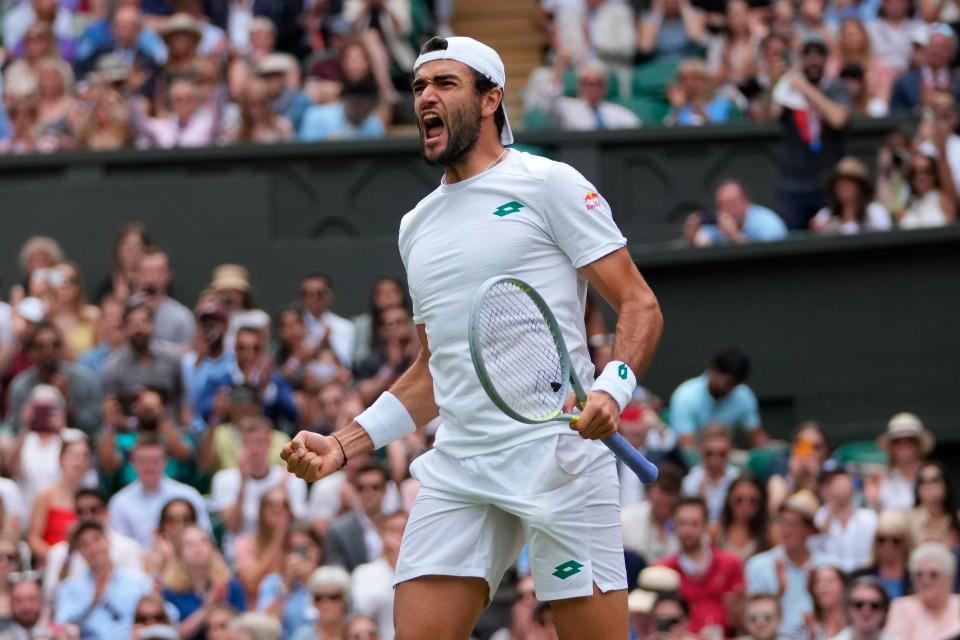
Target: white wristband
617	380
386	420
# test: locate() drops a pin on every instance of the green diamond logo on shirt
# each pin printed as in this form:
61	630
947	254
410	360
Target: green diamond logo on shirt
507	208
567	569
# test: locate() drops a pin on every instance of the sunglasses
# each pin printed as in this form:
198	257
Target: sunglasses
327	597
889	540
863	605
716	453
151	618
179	519
89	511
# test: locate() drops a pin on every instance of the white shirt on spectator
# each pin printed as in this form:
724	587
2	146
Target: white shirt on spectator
953	157
714	491
343	334
576	114
239	17
40	465
896	492
372	594
641	535
225	488
326	498
893	46
7	335
13	504
18	19
876	218
136	513
125	552
850	545
198	131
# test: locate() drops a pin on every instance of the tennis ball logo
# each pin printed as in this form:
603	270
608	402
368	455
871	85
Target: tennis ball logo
622	371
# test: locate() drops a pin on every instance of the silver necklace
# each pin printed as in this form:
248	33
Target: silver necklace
497	161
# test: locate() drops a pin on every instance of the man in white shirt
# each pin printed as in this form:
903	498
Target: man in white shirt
323	325
589	111
237	491
648	526
713	476
64	562
847	530
135	509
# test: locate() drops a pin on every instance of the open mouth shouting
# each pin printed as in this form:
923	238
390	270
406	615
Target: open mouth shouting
431	124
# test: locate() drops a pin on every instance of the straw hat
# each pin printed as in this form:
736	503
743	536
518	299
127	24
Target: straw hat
182	23
804	503
275	63
893	523
906	425
652	582
850	167
230	277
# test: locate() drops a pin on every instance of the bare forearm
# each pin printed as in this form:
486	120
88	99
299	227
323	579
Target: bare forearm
639	327
834	113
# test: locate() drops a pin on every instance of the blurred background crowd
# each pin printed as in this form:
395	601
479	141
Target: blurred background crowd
142	494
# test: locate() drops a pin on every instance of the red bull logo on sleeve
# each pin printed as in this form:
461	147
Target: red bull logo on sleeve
592	200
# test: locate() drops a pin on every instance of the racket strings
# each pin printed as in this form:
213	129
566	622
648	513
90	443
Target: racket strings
520	353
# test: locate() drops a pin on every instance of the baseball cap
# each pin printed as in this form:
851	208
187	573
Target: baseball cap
479	57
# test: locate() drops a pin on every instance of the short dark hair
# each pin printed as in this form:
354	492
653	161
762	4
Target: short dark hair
671	596
83	527
317	275
45	325
692	501
372	465
481	83
88	492
669	479
149	439
732	362
134	306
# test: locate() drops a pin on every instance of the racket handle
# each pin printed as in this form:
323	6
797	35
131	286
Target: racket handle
645	470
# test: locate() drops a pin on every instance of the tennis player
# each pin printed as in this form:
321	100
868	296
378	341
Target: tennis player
490	484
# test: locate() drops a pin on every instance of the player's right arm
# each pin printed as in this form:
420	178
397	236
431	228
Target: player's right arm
312	456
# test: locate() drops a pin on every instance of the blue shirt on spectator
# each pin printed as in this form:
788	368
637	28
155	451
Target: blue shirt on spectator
692	407
329	121
759	225
761	575
293	104
717	111
99	35
112	616
94	359
136	513
203	381
188	603
297	608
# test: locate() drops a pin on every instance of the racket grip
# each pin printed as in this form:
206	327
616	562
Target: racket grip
645	470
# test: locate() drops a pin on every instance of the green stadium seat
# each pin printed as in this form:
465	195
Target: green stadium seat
760	461
535	119
861	452
652	78
650	110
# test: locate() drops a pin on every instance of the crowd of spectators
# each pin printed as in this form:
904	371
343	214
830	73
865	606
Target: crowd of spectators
92	74
142	494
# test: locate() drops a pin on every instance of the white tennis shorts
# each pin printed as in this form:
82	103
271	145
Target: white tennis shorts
559	495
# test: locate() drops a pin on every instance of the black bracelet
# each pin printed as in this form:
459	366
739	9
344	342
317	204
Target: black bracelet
342	450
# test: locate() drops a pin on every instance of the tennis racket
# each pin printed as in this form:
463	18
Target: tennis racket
523	363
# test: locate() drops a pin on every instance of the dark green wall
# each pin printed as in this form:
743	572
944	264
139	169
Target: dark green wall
848	330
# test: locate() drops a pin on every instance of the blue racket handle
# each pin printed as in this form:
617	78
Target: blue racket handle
645	470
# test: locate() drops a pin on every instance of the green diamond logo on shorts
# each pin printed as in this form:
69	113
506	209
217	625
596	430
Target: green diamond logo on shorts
507	208
567	569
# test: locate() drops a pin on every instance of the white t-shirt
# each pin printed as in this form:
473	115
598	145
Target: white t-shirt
13	505
7	335
372	591
225	488
326	501
528	217
877	218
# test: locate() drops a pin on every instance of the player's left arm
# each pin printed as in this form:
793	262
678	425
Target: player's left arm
639	326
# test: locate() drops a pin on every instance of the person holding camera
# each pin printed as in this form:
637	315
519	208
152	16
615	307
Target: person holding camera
284	595
78	386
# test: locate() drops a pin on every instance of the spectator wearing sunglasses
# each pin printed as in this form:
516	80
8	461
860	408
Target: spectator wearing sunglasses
330	588
175	516
150	611
934	611
285	595
102	600
713	476
744	527
323	325
670	616
891	549
63	560
867	604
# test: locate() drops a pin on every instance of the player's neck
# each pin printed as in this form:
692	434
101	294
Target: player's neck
483	155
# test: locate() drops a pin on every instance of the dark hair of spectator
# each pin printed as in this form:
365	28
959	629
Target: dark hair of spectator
480	82
149	439
671	596
372	465
134	228
732	362
88	492
813	425
83	527
692	501
165	512
251	331
669	479
812	578
759	523
934	170
307	530
863	201
910	10
949	502
870	582
374	311
134	306
317	275
45	326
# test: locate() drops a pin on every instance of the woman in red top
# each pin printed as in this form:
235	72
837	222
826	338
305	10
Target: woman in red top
54	509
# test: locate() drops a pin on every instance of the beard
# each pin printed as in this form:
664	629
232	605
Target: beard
463	130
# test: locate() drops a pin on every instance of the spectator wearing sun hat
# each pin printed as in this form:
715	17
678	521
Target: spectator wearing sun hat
907	442
275	69
652	582
784	569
